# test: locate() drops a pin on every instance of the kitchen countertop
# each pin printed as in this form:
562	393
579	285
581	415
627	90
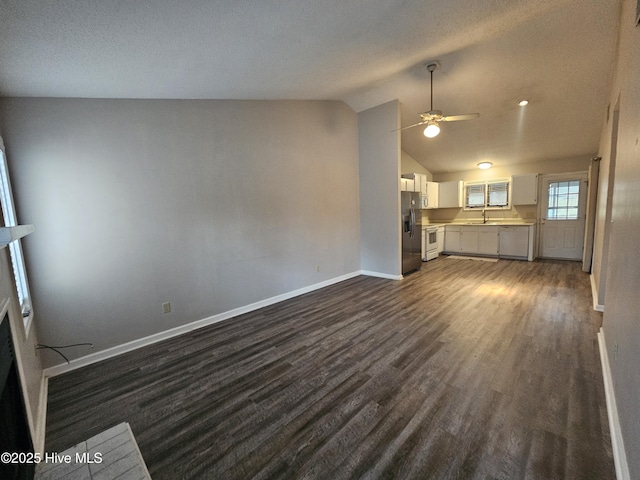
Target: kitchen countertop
491	224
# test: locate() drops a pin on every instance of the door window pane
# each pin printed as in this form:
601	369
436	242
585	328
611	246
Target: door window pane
563	200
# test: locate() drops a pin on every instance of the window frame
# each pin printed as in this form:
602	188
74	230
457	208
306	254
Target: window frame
16	254
486	187
559	201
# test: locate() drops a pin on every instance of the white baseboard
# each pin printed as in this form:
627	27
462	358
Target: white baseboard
594	295
381	275
173	332
617	443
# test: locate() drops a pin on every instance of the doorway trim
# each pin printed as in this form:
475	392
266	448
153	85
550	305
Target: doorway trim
543	198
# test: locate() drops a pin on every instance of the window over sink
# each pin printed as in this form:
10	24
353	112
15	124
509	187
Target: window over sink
487	194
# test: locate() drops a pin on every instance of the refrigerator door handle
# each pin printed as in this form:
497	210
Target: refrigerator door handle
413	222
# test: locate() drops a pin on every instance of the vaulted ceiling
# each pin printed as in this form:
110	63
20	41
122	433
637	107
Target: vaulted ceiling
558	54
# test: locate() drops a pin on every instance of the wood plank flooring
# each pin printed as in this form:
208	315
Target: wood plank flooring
466	369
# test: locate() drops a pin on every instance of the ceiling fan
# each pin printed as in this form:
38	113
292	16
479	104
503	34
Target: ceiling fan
432	118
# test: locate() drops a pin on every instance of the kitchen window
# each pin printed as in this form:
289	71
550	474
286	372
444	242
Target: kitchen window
490	194
15	248
474	195
497	194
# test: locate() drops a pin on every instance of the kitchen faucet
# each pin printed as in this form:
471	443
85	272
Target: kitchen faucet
484	217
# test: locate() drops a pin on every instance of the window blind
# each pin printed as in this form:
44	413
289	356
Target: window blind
15	248
475	195
498	194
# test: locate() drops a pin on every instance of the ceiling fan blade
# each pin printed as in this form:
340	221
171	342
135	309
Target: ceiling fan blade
410	126
455	118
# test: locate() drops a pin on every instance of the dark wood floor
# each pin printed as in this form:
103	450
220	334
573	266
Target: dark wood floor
465	369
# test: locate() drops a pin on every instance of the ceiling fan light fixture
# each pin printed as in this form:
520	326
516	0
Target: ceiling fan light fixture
432	130
485	165
523	103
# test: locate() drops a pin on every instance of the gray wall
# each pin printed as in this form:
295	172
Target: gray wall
621	324
209	205
380	189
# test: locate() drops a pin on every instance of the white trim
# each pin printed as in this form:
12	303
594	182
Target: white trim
594	294
41	416
543	198
35	420
174	332
381	275
617	443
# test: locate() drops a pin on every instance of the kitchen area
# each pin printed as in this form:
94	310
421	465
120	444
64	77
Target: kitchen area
493	218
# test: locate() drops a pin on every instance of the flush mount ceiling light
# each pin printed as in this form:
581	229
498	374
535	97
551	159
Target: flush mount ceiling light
523	103
432	130
485	165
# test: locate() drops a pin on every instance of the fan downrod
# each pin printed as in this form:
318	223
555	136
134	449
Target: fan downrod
431	68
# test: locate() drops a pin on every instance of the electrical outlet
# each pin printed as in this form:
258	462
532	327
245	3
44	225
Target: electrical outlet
615	351
317	268
166	307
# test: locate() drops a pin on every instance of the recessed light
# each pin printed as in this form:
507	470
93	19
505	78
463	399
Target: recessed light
485	165
523	103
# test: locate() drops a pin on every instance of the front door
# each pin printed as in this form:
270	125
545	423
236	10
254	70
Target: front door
564	199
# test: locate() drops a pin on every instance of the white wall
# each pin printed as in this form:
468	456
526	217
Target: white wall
379	144
409	165
621	323
209	205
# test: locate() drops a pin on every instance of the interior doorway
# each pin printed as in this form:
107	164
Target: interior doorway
563	215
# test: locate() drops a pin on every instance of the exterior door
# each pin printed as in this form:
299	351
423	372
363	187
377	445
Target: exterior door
562	224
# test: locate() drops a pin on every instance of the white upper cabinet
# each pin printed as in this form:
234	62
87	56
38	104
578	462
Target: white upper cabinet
450	194
524	189
407	184
432	190
414	182
421	183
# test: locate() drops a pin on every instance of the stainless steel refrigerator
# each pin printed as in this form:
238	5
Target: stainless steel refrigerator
411	232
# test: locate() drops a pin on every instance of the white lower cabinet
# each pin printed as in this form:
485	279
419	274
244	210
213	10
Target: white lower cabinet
509	241
514	241
481	240
488	240
469	239
451	238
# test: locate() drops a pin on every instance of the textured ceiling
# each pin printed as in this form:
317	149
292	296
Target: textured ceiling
556	53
